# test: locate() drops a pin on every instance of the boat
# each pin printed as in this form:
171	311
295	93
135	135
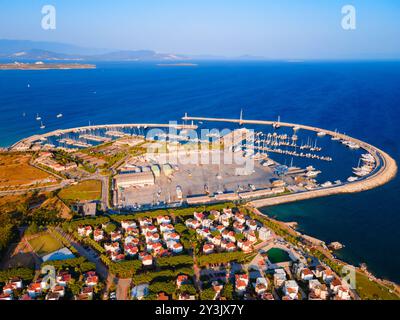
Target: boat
335	137
42	126
59	115
326	184
353	145
361	173
321	134
38	118
277	124
313	173
367	157
352	179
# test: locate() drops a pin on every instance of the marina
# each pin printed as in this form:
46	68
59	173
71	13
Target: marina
273	151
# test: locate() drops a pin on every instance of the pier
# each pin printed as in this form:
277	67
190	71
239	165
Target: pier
25	144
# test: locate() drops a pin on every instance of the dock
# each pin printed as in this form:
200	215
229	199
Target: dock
26	143
94	138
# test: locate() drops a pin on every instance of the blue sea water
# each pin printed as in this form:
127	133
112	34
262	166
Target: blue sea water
361	99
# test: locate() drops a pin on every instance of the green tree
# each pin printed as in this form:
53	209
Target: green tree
207	294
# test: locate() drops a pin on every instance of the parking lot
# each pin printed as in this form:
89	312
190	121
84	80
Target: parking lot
197	179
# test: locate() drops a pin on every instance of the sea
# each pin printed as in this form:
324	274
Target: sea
359	98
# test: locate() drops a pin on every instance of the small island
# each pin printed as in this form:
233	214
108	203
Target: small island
45	66
177	64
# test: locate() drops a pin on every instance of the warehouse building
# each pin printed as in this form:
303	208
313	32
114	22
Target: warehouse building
135	179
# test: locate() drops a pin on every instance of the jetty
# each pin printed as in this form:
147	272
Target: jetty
26	143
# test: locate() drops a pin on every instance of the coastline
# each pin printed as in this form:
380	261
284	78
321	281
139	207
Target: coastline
370	275
46	66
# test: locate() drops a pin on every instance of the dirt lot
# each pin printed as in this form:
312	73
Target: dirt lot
15	172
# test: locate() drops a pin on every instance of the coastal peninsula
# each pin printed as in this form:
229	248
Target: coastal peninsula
45	66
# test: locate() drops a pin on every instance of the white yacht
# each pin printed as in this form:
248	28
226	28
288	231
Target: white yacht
42	126
321	134
313	173
38	118
59	115
367	157
352	179
353	145
326	184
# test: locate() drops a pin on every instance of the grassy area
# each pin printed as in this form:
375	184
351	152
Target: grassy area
15	171
45	244
371	290
85	190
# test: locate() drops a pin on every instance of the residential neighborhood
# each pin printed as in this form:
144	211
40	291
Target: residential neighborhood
222	253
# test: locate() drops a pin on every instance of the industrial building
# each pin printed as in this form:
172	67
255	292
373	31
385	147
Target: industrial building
135	179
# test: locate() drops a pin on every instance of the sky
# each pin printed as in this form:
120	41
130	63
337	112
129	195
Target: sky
280	29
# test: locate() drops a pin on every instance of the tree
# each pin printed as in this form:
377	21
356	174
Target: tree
32	229
188	288
207	294
227	292
167	287
110	228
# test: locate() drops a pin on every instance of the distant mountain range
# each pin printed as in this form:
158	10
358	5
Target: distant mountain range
38	50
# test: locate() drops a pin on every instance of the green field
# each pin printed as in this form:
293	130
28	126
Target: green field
45	244
85	190
370	290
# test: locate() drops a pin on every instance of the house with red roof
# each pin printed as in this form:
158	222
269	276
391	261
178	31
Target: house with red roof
306	274
98	235
163	219
241	282
208	248
182	279
34	289
84	231
147	260
91	279
193	224
116	235
128	224
199	216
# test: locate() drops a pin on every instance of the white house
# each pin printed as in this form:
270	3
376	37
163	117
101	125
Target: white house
306	274
291	289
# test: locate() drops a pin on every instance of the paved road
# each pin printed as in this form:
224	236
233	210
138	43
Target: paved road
45	188
92	256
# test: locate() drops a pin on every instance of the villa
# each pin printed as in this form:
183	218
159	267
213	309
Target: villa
291	289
